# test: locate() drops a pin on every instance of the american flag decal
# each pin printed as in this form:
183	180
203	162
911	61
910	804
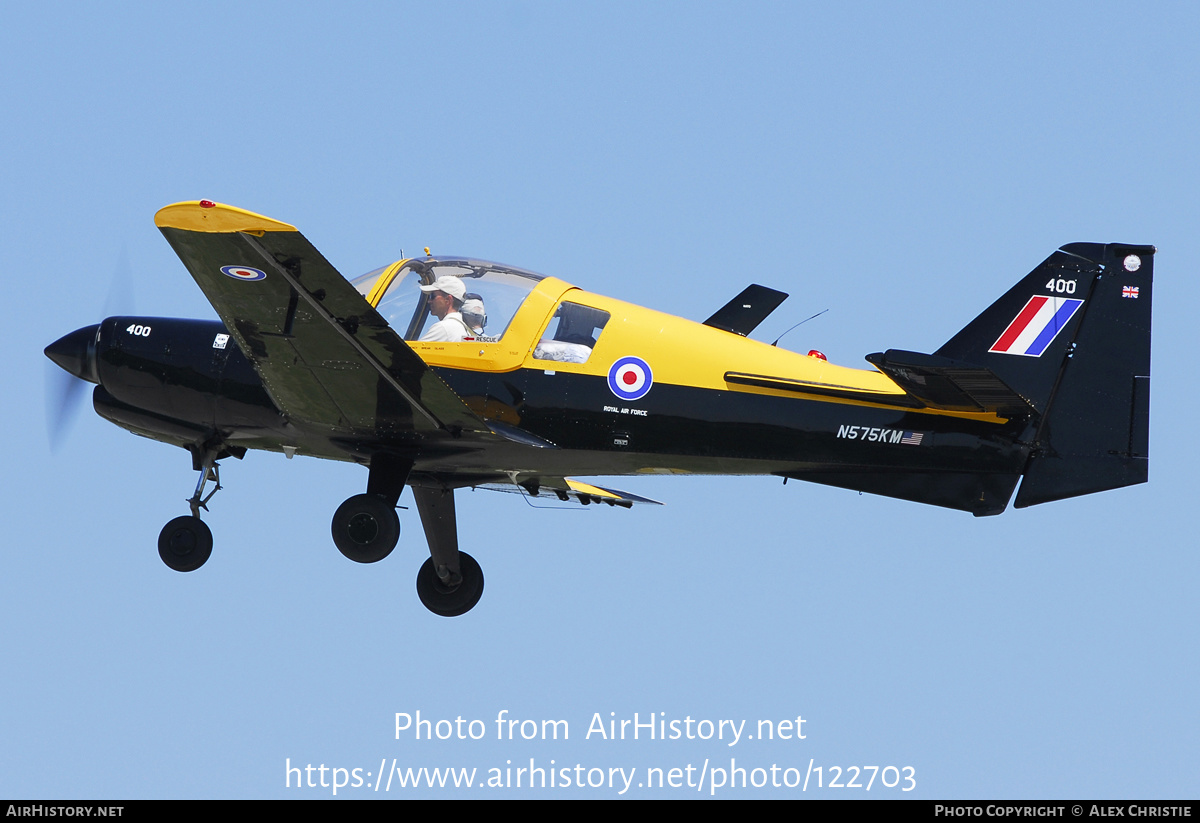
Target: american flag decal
1130	291
912	438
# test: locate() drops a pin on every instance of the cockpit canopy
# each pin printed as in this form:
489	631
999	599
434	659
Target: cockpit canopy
395	291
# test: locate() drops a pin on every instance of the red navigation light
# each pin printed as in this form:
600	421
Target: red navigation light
207	204
817	354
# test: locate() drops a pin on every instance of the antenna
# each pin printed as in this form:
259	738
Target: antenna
798	325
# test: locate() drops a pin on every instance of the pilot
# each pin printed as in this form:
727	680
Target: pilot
475	316
445	302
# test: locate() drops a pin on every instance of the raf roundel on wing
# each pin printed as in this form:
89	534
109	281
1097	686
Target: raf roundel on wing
243	273
630	378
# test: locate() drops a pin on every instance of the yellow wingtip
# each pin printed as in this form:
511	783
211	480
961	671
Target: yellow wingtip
214	218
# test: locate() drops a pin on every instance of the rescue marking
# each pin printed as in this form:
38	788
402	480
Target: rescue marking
1034	328
630	378
220	341
246	273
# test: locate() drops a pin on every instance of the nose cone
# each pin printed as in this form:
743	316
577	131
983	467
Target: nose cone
76	353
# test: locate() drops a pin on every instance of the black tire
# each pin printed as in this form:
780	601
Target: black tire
450	602
185	543
365	528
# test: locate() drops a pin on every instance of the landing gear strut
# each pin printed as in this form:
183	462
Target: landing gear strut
185	543
450	582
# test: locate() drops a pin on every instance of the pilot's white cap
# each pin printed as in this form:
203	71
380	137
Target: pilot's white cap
451	285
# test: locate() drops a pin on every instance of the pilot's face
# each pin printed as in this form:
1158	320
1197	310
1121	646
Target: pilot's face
439	304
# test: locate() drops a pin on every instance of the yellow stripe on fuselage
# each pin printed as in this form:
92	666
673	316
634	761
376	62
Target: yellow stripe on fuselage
678	351
687	353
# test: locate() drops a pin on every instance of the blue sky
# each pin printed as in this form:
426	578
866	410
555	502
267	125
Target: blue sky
899	164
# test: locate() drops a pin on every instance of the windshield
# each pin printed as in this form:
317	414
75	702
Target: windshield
365	283
493	293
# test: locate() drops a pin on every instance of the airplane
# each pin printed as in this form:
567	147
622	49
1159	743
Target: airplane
1048	386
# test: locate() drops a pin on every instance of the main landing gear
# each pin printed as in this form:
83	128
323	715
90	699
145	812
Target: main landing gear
450	582
459	595
366	528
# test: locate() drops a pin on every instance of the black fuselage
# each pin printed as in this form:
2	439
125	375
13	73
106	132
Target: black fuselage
186	382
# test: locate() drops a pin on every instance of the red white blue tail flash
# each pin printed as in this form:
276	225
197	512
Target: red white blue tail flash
1036	326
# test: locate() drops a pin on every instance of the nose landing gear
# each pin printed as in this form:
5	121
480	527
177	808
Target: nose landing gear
186	543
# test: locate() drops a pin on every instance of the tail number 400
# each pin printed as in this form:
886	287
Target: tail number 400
1061	286
138	330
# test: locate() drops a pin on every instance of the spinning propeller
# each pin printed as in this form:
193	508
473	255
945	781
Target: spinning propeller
75	354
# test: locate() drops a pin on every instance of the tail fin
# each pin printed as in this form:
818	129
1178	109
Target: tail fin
1073	340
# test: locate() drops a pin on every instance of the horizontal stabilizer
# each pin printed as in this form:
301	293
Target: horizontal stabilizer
742	314
943	383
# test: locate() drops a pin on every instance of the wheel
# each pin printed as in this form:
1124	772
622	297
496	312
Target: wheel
450	601
185	543
366	528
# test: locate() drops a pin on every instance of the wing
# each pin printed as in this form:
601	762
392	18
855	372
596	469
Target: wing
325	355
